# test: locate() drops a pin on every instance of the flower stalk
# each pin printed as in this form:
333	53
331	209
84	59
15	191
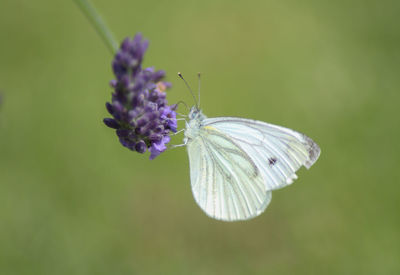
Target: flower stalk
95	19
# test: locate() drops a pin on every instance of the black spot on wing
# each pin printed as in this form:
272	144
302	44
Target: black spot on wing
272	161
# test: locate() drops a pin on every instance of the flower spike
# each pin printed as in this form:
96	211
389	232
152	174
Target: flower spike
142	117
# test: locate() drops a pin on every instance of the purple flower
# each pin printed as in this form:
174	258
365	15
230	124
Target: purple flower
142	117
170	116
158	147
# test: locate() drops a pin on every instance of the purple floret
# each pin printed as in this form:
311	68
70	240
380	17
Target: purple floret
169	115
158	147
141	114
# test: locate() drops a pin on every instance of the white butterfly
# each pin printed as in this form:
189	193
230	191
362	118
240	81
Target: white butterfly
235	163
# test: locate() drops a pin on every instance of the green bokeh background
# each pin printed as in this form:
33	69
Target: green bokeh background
73	201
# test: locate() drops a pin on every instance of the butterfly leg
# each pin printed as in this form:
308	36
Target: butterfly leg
182	115
180	131
176	146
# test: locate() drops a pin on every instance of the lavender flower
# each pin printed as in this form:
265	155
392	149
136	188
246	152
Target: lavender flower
141	114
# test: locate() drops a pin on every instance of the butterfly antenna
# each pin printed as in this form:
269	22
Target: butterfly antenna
184	104
190	90
198	75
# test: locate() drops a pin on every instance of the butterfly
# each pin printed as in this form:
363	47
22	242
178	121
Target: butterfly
236	163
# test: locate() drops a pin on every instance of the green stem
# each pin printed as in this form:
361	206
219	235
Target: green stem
95	19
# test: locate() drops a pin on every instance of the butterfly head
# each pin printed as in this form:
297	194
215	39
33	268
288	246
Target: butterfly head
196	114
193	126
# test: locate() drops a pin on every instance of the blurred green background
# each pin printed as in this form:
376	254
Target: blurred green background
74	201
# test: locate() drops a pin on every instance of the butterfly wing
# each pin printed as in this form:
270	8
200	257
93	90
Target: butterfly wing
226	182
276	151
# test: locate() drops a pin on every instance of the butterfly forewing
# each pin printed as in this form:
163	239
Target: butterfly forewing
226	182
276	151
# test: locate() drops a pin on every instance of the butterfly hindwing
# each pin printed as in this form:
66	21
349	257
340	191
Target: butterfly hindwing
226	182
